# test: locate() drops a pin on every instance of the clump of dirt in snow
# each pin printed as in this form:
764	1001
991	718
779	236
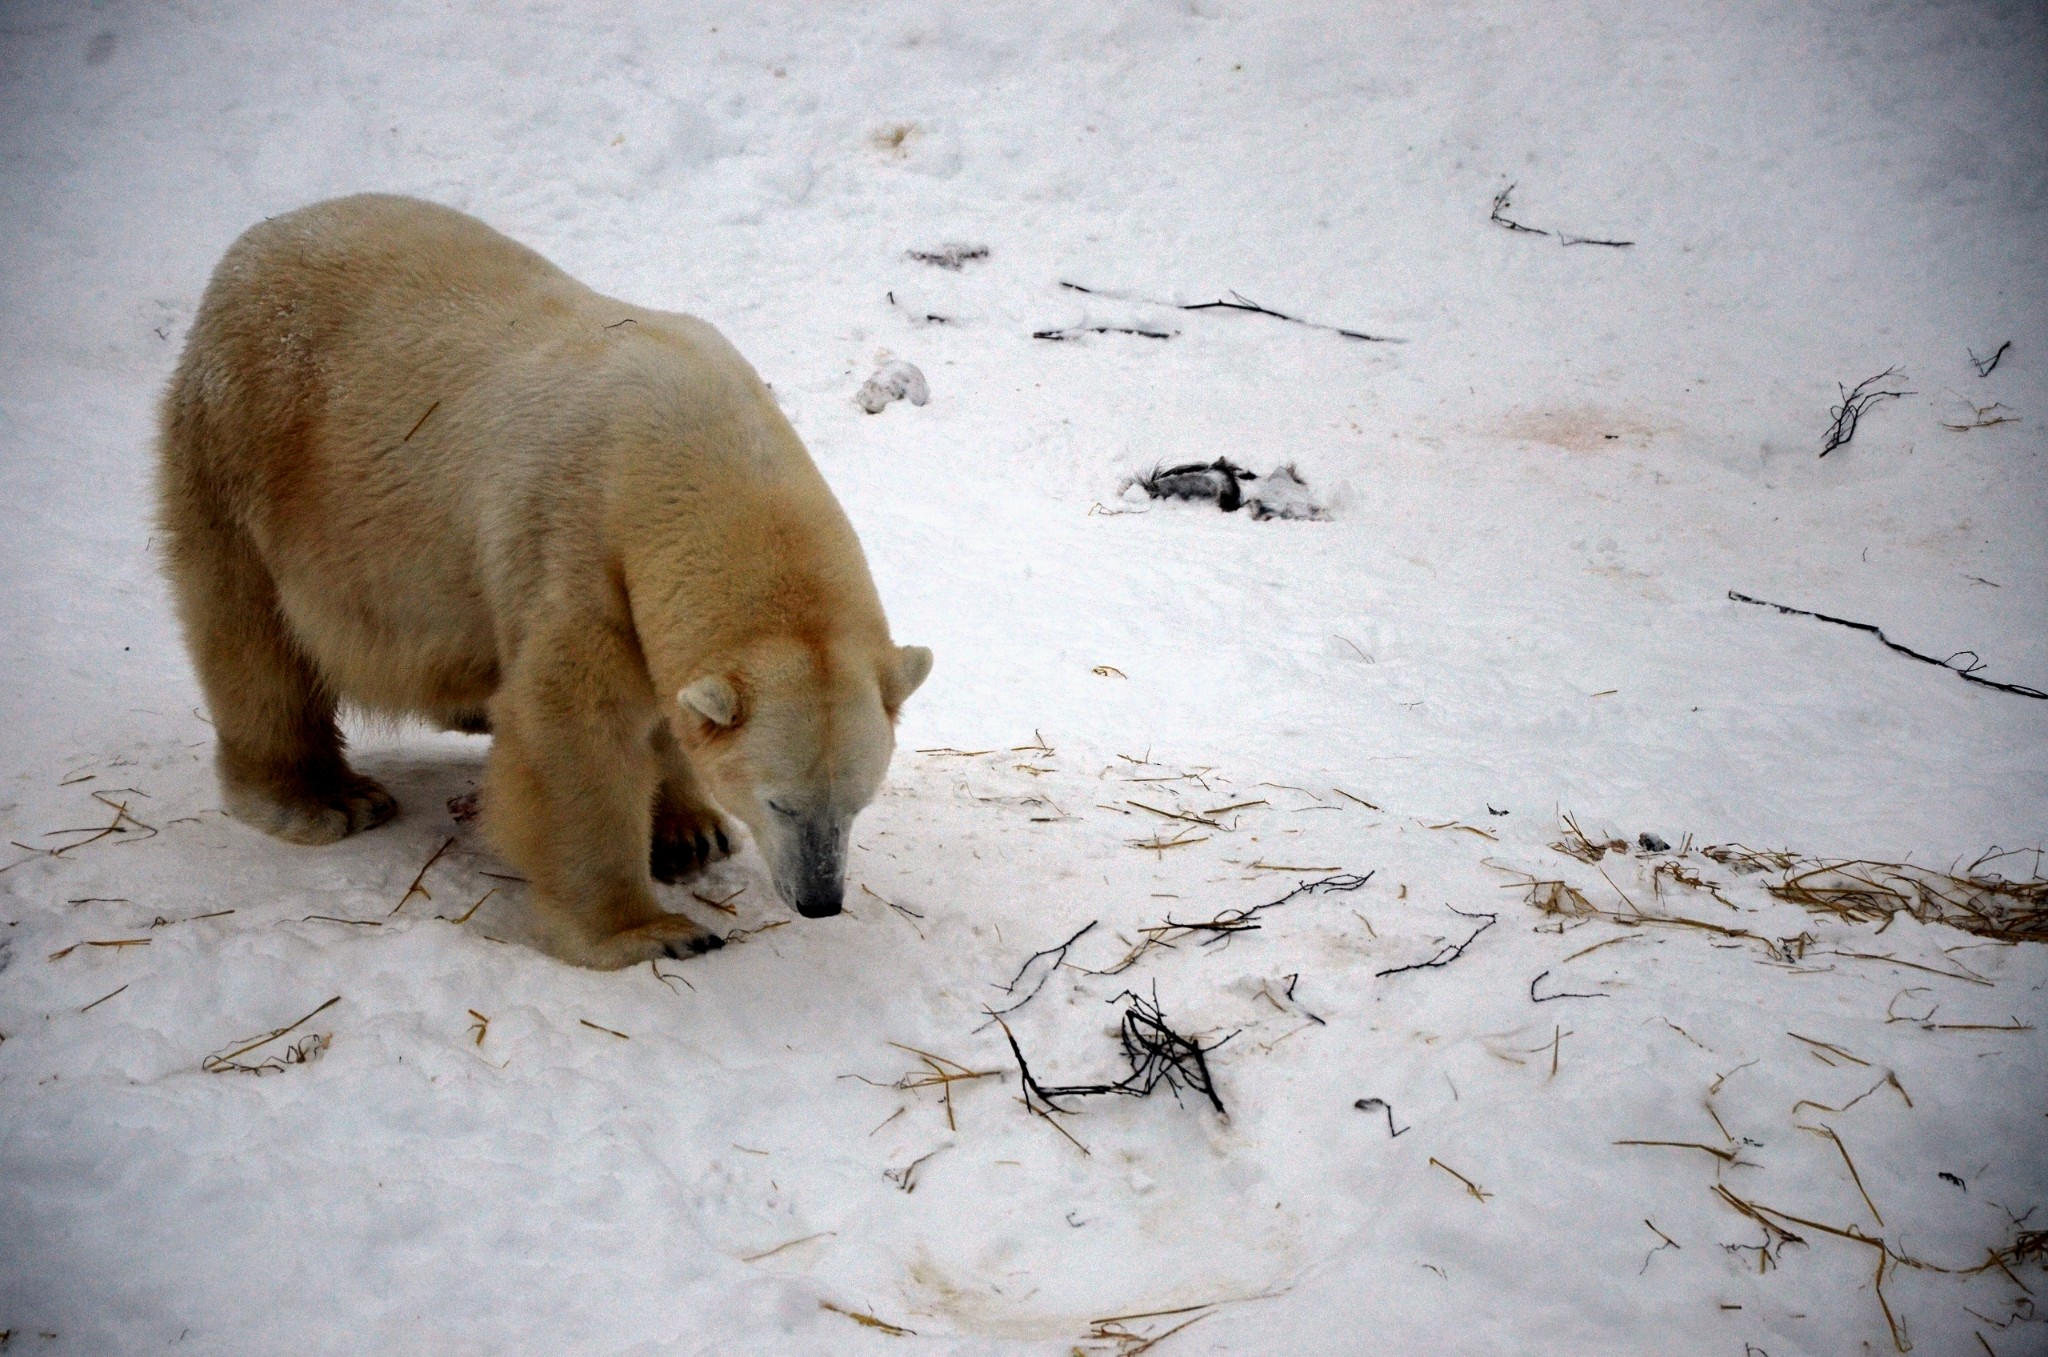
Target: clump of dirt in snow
1280	493
1215	481
950	256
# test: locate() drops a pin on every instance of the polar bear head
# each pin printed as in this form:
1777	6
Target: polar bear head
793	739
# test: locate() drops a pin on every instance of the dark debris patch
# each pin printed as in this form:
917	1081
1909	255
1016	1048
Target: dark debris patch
1156	1053
1280	493
952	256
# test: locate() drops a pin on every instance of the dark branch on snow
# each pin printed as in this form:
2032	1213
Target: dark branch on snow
1294	979
1157	1055
1073	330
1546	998
1058	955
1236	301
1230	922
1368	1104
1856	400
949	256
1965	669
1499	217
1985	366
928	318
1446	954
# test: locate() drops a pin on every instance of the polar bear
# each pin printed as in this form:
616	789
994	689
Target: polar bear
408	464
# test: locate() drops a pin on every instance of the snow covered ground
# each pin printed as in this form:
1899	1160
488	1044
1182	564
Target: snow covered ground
1517	609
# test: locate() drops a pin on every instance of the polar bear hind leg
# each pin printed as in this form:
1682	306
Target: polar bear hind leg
279	751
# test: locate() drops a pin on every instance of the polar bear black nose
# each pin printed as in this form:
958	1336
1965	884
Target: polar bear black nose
819	878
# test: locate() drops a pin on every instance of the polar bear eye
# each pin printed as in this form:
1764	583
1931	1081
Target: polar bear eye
782	810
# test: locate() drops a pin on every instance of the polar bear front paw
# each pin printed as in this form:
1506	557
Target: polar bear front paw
664	937
313	817
686	841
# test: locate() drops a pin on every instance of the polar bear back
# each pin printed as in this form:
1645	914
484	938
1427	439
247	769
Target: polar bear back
428	428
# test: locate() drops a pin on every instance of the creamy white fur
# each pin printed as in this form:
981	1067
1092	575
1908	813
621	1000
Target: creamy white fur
410	464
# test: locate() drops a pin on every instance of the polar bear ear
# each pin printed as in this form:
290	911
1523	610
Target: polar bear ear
913	665
711	697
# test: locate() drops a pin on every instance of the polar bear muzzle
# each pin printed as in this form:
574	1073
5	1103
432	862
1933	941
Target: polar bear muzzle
810	871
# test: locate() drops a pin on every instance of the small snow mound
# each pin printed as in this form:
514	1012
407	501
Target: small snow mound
896	380
1282	493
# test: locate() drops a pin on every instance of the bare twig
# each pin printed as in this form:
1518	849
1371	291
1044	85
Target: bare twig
1499	217
868	1321
1725	1156
727	907
122	822
1368	1104
1986	366
1830	1048
416	888
904	910
1843	1150
1764	1214
470	913
1982	417
226	1061
906	1177
1477	1191
1889	1078
1546	998
1229	921
1856	400
1448	953
940	1073
1669	1243
742	934
665	977
1236	301
1156	1053
1966	671
1035	1110
99	942
1133	1344
1059	957
102	999
422	420
770	1253
1958	974
1070	331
